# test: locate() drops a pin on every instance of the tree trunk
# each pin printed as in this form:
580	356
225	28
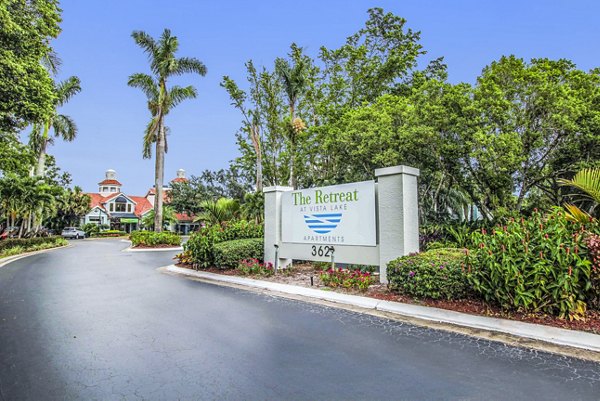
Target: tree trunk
259	181
41	164
292	180
159	172
258	150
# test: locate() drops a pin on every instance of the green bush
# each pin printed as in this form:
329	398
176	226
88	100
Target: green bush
228	254
200	246
538	264
28	242
15	246
434	274
151	238
111	233
92	229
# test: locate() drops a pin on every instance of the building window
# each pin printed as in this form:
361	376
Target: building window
120	207
112	207
129	207
113	189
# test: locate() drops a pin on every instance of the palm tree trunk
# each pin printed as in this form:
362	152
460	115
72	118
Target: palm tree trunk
41	165
159	171
292	180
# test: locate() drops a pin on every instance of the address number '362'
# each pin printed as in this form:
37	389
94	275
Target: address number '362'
321	250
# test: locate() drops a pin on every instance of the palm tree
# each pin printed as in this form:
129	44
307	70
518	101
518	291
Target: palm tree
218	212
161	99
63	125
169	216
295	79
588	182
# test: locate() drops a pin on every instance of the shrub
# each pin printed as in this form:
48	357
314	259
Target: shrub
151	238
434	274
228	254
536	264
111	233
27	243
91	229
16	246
201	243
255	267
355	279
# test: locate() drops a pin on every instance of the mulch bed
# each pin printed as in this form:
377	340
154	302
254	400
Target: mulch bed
300	274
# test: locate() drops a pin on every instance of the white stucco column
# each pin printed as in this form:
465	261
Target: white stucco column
273	224
398	214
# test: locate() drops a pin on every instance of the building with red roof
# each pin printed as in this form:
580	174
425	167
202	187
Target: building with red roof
111	207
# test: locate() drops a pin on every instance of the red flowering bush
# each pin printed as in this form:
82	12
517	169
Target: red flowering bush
538	264
355	279
255	267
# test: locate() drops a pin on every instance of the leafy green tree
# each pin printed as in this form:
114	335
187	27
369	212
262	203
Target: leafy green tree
26	90
525	118
162	98
63	125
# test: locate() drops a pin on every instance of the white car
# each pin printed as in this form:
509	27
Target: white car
72	232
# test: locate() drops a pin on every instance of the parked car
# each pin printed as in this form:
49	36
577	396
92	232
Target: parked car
9	232
73	232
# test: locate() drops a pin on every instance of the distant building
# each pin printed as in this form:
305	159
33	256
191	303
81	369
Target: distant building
111	207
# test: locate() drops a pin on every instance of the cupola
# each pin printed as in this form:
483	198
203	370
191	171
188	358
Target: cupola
109	185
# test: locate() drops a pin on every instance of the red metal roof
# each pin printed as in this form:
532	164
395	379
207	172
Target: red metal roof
184	217
179	179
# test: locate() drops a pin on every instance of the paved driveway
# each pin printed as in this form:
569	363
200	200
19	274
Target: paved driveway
92	322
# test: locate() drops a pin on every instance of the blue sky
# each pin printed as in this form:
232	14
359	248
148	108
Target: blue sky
96	45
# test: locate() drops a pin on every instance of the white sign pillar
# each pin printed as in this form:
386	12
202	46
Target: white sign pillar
398	214
273	224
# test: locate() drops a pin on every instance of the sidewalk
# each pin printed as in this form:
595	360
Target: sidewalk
552	335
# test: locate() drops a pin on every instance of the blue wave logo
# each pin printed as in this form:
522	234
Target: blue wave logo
322	223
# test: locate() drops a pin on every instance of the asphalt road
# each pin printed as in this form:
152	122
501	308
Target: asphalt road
92	322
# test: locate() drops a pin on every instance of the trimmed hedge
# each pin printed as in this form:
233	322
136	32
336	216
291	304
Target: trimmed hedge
151	238
200	246
111	233
433	274
228	254
26	242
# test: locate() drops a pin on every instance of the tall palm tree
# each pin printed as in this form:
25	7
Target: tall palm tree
161	99
63	126
295	80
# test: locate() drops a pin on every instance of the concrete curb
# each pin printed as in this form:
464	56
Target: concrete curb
130	249
552	335
9	259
